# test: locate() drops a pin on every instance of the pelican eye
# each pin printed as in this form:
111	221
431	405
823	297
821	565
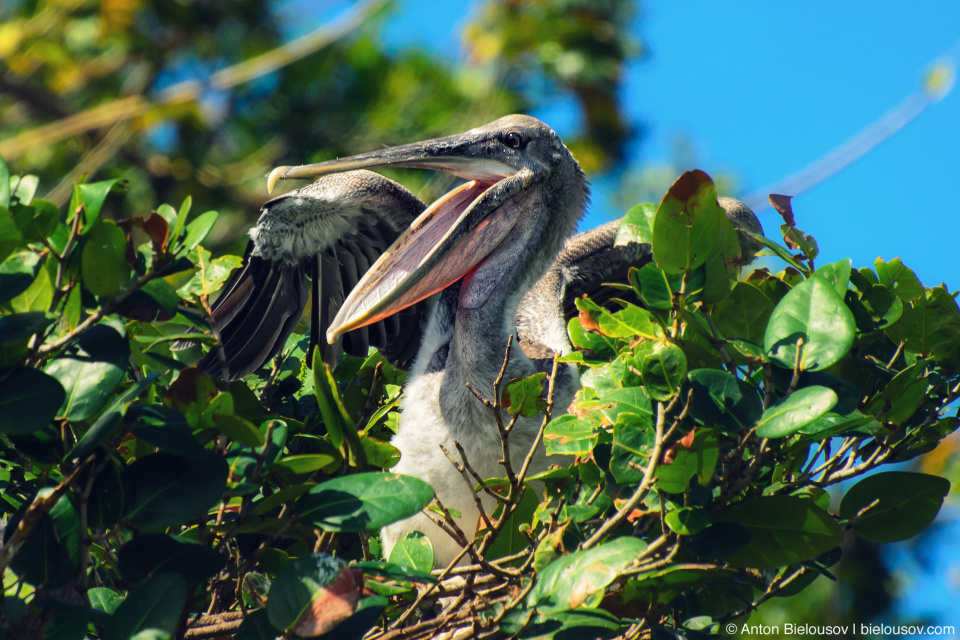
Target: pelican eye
514	140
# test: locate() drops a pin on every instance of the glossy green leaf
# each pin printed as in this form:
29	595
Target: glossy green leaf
626	323
413	551
91	197
164	489
256	626
814	312
632	446
837	274
238	429
524	395
303	585
39	295
794	412
899	279
29	400
17	273
783	530
110	418
88	385
744	314
686	223
152	610
636	225
363	502
561	625
394	571
663	371
568	435
104	599
167	430
37	221
10	237
197	231
4	184
300	465
103	262
210	274
687	521
579	579
895	505
723	401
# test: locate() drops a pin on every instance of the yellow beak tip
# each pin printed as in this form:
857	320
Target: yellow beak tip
275	176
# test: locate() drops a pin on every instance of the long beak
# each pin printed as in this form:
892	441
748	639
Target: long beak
445	243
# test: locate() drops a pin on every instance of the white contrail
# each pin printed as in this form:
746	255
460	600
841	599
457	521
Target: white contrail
937	82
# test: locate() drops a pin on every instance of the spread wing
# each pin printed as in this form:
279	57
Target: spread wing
316	242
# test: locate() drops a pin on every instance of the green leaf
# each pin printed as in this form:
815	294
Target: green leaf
103	262
379	454
151	610
636	225
581	577
906	503
197	231
88	385
38	221
29	400
51	551
663	371
783	530
628	322
20	326
686	223
569	435
561	625
524	395
38	296
17	273
744	314
632	446
510	541
723	401
154	553
413	551
301	465
103	599
210	274
363	502
4	184
256	626
394	572
837	274
24	188
899	279
109	419
655	287
164	489
10	237
814	312
794	412
91	197
238	429
299	592
687	521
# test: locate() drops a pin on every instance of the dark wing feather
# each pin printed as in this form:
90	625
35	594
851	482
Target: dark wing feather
317	241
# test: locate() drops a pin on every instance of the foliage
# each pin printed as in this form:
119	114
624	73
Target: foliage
144	497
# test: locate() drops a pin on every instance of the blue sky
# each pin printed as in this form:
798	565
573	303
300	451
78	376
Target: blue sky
763	89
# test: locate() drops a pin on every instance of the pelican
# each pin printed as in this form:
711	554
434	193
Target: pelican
492	259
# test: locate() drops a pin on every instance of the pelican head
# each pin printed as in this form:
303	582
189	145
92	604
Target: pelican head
524	194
